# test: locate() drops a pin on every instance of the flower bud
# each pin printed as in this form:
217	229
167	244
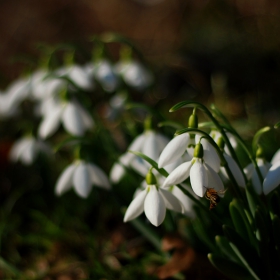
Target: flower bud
151	178
198	151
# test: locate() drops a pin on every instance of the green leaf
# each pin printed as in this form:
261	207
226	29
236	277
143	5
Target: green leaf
253	199
162	171
244	251
230	268
223	244
257	137
240	221
188	104
172	124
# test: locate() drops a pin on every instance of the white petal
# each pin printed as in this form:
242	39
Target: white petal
199	178
29	153
64	182
150	145
272	179
86	117
171	202
248	170
174	150
236	172
80	77
186	202
18	148
136	207
117	172
276	157
214	181
178	175
50	123
81	180
137	143
72	120
210	155
140	166
98	177
154	207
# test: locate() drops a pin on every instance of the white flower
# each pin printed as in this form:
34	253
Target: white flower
150	143
13	96
78	75
153	201
44	85
27	149
276	157
272	179
216	135
134	74
75	119
201	175
178	145
81	175
235	170
251	173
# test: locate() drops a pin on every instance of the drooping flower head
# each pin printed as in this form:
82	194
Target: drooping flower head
154	201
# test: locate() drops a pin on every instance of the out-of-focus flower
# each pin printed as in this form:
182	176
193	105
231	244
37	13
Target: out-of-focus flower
216	135
78	75
153	201
183	144
27	149
75	119
252	174
13	96
276	157
104	73
201	175
81	175
134	74
149	143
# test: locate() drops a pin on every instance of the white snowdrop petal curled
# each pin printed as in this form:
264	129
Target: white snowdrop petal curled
81	180
136	207
98	177
174	150
72	120
210	155
272	179
214	181
150	146
199	179
171	201
178	175
64	182
154	207
236	172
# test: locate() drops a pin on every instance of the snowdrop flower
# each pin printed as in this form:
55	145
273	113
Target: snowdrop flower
27	149
81	175
153	200
75	119
105	74
78	75
252	174
179	144
13	96
149	143
134	74
44	85
235	170
272	179
276	157
201	175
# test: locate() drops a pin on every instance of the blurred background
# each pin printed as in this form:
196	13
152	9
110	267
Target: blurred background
225	52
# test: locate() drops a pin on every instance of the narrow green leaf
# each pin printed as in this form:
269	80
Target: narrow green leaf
253	199
230	268
240	221
172	124
223	244
257	137
187	104
245	252
154	164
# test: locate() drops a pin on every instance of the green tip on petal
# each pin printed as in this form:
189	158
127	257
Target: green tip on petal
151	178
198	151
